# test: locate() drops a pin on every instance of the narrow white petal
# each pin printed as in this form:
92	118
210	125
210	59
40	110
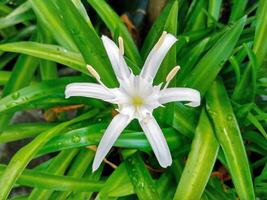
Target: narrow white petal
180	94
157	141
91	90
116	58
156	57
118	123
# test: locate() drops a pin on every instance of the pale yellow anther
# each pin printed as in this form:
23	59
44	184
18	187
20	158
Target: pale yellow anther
161	40
121	46
93	72
172	73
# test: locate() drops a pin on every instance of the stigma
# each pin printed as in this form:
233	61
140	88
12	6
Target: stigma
137	101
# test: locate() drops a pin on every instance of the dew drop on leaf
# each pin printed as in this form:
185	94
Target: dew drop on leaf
15	95
76	139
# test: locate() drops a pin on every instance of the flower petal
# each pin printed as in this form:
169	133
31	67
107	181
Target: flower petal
157	141
180	94
116	58
91	90
118	123
156	56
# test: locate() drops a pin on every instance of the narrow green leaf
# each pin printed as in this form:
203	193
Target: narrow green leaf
237	9
210	65
93	52
57	167
78	168
196	18
53	182
47	13
165	115
92	134
118	184
260	43
20	160
214	9
49	52
114	23
229	137
20	14
200	161
29	95
157	29
142	181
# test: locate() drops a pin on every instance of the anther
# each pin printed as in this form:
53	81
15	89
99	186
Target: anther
121	47
97	77
93	72
161	39
171	75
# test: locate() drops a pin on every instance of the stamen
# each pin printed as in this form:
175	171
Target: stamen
121	46
161	39
97	77
171	75
93	72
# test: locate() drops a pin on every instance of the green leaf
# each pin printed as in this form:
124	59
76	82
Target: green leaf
53	182
46	11
166	114
229	138
78	168
196	18
214	9
29	95
22	13
260	43
49	52
91	135
212	62
93	52
237	9
142	181
118	184
58	166
158	27
20	160
200	161
115	24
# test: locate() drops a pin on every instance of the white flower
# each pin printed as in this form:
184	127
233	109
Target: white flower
136	97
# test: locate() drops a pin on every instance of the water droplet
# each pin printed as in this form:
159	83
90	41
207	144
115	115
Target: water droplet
141	185
15	95
134	179
59	144
229	117
76	139
153	189
11	104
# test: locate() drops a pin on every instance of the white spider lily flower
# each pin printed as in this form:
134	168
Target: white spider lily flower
136	97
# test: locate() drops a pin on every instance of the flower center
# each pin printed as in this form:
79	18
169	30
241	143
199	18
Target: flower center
137	101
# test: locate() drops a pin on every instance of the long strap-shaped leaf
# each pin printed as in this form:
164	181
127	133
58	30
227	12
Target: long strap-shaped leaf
20	160
200	162
49	52
229	137
54	182
115	24
57	167
47	13
142	181
212	62
87	41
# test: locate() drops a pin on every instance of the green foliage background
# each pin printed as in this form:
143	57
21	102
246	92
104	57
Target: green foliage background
221	48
